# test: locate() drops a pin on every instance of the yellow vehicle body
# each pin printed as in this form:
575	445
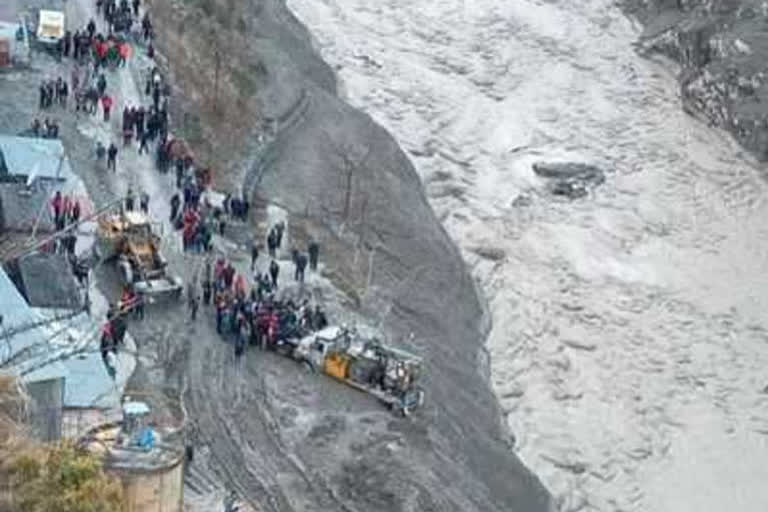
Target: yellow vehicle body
337	366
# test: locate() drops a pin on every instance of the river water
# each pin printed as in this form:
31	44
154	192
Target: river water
630	343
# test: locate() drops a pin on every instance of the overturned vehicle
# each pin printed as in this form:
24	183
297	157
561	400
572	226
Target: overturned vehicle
389	374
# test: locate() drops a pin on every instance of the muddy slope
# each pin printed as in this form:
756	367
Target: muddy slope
721	47
288	139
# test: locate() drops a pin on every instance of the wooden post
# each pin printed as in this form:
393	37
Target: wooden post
216	82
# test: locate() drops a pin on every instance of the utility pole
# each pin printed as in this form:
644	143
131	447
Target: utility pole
216	80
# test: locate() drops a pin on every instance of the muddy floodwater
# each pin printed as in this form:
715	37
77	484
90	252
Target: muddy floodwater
629	343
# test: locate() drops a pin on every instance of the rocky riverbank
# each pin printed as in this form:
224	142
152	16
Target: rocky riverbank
259	106
721	48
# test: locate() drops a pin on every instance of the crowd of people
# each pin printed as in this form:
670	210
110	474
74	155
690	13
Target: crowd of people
65	209
93	53
252	315
48	129
53	92
247	313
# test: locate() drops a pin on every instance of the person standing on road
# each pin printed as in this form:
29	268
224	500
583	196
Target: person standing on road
112	157
220	309
75	217
143	142
272	242
76	45
254	254
314	252
274	271
101	152
175	203
193	301
63	93
101	85
144	202
206	292
67	42
129	199
241	335
57	203
280	230
106	104
301	264
91	27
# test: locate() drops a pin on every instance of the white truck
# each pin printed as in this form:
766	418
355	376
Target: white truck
50	27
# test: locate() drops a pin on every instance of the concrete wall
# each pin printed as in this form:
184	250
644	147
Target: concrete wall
154	492
46	408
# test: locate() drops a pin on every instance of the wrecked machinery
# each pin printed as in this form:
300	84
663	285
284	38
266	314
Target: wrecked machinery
389	374
128	237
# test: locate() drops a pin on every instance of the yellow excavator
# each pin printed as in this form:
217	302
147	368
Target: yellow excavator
128	237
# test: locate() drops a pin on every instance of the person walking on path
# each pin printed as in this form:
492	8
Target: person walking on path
143	142
57	203
272	242
280	229
254	254
193	301
206	292
106	104
129	199
274	271
101	152
221	306
101	85
314	252
144	202
175	203
112	157
75	216
301	264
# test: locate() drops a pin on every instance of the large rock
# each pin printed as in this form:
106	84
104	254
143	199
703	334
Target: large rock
570	179
721	46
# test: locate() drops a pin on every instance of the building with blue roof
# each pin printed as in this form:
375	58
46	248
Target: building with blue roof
34	344
32	169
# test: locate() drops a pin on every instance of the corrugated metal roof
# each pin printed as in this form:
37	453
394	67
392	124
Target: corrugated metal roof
47	281
24	206
86	382
17	313
35	157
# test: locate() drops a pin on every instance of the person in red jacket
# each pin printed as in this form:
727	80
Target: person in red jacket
57	205
75	215
106	104
124	50
102	48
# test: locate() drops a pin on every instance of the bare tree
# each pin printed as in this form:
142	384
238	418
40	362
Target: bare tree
351	160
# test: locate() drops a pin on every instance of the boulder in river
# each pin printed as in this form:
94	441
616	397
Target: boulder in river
570	179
